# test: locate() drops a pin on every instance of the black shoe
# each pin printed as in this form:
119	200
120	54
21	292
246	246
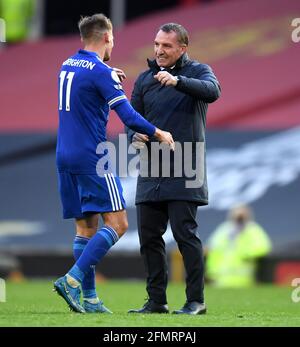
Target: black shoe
193	307
151	307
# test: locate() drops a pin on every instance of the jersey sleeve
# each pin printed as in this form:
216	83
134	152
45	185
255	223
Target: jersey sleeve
109	86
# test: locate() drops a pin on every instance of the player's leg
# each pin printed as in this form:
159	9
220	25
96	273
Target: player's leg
103	195
185	230
152	220
86	228
71	204
116	220
115	225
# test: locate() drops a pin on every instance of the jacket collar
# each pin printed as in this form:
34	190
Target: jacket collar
178	65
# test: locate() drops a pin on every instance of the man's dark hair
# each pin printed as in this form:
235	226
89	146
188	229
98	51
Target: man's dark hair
182	34
92	28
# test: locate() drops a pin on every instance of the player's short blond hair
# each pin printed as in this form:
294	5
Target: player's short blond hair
93	27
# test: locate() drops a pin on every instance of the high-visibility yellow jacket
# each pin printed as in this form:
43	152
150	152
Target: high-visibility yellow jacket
231	258
17	15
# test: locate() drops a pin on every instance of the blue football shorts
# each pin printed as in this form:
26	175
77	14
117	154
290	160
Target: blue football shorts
81	194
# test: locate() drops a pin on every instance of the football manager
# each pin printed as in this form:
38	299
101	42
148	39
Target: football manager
173	94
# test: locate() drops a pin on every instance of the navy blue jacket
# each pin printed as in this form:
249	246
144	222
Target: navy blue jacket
181	110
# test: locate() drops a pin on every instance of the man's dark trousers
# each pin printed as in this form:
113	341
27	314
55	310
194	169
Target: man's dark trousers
152	219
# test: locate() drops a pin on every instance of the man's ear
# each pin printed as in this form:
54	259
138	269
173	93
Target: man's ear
106	37
183	49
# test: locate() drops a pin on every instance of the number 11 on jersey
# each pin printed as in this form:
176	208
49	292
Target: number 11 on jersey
62	77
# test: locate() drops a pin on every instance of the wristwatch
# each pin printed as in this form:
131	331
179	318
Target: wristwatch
177	79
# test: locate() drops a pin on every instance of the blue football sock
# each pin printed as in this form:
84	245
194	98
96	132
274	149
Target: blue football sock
88	284
93	252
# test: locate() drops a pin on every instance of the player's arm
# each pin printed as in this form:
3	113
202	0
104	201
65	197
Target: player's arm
136	122
110	88
137	103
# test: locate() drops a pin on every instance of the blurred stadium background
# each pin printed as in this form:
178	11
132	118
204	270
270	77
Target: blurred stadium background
253	134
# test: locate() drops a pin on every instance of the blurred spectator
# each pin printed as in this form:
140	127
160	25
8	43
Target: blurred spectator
233	249
17	15
9	265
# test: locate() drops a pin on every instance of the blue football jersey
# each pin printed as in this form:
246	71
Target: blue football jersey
87	89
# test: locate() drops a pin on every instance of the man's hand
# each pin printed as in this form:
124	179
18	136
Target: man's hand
165	137
139	140
120	74
166	79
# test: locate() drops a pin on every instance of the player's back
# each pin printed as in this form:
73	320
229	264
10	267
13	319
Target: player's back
83	112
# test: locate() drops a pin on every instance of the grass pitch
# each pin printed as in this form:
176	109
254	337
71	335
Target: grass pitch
33	304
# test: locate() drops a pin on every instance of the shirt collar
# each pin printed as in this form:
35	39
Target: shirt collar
183	60
167	68
93	54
